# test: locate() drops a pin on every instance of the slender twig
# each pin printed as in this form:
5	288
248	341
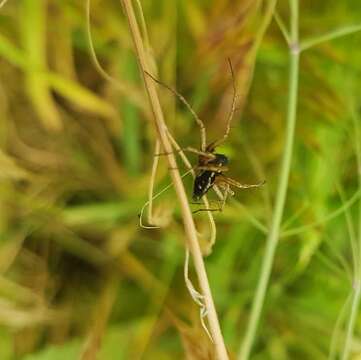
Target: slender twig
308	43
93	55
122	88
192	240
143	25
351	233
357	131
152	181
159	193
334	266
356	298
352	319
296	215
196	296
269	12
332	215
336	336
282	27
274	233
252	219
340	258
102	313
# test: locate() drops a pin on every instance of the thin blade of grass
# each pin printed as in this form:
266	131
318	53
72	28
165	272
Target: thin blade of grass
33	29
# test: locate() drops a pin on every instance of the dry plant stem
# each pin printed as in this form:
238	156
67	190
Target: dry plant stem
274	232
102	312
153	198
151	182
93	55
204	198
190	229
189	107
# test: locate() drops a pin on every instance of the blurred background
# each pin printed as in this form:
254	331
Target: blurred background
79	278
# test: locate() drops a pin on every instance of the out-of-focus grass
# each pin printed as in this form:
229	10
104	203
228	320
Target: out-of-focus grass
130	135
78	273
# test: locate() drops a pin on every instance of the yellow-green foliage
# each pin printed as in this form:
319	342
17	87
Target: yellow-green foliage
78	277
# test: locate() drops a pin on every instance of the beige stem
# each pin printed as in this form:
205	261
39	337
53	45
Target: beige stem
190	229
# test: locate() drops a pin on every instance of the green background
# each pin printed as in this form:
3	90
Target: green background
79	278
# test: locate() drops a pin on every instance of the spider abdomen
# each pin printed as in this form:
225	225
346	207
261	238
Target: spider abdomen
205	179
202	183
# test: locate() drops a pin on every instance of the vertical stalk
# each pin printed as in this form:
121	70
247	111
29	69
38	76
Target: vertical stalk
274	232
357	281
190	230
351	321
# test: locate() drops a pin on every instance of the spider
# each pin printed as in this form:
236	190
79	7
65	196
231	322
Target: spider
211	166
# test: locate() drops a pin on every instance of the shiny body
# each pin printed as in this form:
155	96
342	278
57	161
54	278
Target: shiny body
205	178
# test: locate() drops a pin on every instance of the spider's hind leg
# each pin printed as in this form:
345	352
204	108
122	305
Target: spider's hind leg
226	191
221	203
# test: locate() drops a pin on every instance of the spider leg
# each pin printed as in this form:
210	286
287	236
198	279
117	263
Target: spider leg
200	153
219	208
210	167
189	107
191	150
210	201
218	190
221	203
225	187
227	191
235	183
205	209
231	112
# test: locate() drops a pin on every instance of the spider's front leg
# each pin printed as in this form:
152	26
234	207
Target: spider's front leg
214	168
205	154
192	150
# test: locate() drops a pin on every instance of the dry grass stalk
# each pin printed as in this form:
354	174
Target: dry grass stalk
192	240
